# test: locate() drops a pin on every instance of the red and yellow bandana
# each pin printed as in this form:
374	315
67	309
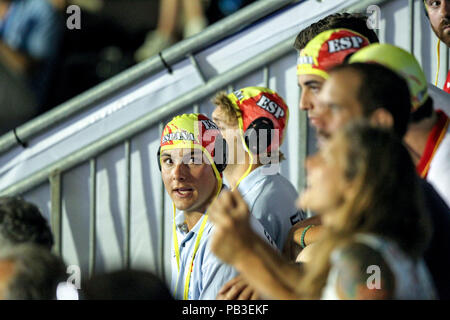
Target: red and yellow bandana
258	102
327	50
191	131
194	131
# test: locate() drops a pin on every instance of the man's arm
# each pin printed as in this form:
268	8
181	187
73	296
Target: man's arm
237	289
292	247
269	273
235	243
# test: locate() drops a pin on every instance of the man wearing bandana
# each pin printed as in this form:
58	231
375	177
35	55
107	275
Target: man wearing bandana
192	157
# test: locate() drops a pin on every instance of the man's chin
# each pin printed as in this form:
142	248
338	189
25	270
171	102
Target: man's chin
443	35
321	140
446	39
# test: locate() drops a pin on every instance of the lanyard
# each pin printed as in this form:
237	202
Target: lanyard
197	244
177	254
249	169
438	61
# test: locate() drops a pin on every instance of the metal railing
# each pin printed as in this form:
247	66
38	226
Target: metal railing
229	25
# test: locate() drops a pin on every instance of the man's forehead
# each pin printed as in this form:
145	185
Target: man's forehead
306	79
180	151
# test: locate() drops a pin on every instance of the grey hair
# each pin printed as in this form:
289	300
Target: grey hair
37	272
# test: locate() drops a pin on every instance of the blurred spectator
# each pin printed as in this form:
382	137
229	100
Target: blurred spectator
165	33
29	272
188	16
21	222
30	36
102	48
126	285
428	135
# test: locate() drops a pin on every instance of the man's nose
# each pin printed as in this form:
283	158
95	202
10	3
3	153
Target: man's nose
444	10
305	103
180	171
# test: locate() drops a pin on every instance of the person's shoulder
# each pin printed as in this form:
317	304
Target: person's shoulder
279	187
434	203
354	264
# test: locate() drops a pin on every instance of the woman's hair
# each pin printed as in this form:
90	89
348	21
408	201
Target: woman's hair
385	199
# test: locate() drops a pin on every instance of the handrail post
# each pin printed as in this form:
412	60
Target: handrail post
56	211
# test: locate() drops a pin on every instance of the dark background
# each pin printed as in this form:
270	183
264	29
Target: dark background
106	43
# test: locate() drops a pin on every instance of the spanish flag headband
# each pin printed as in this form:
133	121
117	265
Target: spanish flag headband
400	61
192	131
254	103
327	50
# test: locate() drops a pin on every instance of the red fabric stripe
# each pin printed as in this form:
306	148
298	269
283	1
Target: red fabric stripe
447	83
432	145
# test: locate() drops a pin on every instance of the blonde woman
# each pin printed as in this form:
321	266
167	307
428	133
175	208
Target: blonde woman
364	185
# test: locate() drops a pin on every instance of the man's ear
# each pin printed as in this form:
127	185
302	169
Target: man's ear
382	118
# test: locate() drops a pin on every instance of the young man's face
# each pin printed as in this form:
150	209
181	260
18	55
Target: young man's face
311	86
439	14
338	102
188	179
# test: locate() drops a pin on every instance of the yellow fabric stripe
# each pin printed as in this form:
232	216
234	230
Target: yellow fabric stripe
309	70
438	61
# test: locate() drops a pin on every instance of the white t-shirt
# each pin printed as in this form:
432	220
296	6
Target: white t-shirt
271	200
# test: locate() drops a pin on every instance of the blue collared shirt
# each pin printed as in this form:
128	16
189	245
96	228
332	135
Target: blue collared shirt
209	273
271	199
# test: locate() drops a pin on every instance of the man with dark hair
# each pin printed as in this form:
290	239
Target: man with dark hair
428	135
21	221
29	272
438	13
192	157
310	80
353	21
364	90
126	285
